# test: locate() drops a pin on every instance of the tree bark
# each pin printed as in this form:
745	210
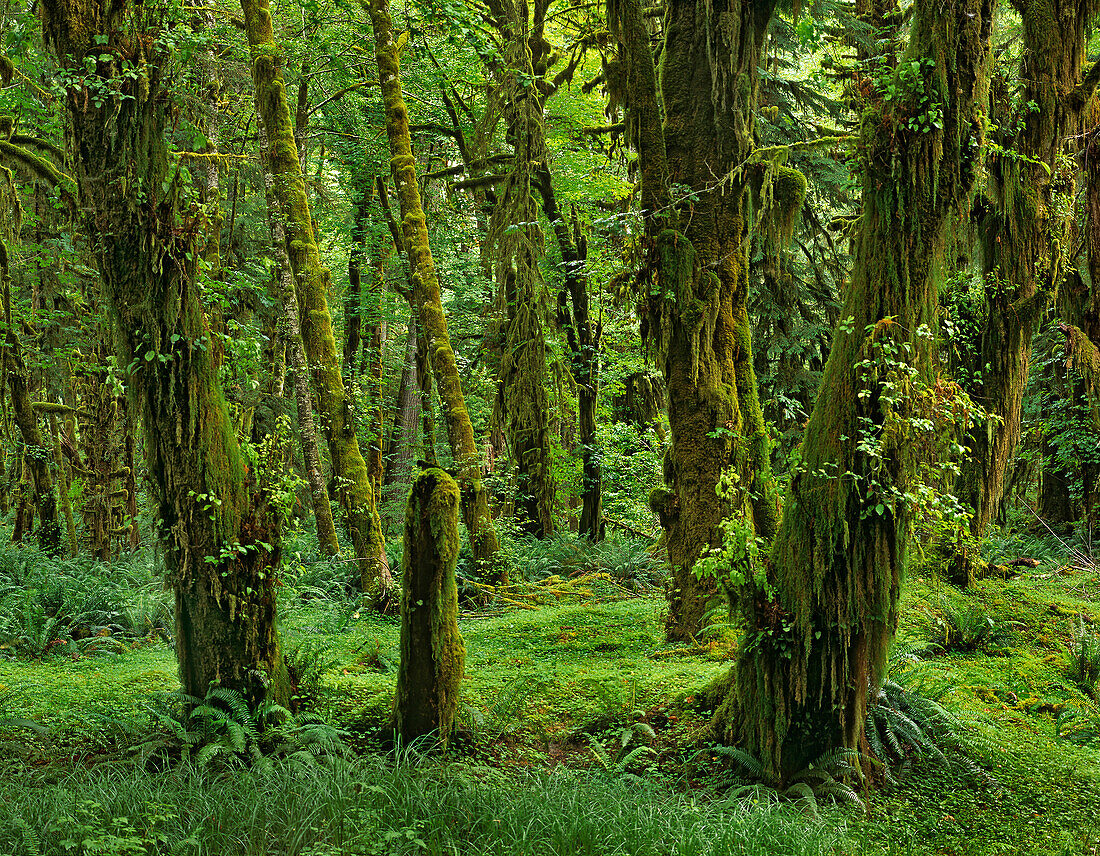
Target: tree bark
484	542
433	654
283	284
221	544
312	281
1026	239
695	314
820	627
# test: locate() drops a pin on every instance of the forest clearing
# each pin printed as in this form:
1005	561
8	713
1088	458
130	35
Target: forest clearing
482	426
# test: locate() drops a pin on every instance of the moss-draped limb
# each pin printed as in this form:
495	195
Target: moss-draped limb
819	632
1022	235
221	544
484	542
433	654
695	314
312	282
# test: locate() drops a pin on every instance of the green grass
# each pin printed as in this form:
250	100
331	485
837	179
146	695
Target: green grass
543	685
371	806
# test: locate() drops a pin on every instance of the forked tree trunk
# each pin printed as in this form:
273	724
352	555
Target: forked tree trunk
1027	239
696	309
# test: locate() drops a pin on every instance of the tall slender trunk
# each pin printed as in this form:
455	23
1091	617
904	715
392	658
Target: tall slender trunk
36	455
312	282
303	398
63	484
402	445
582	336
484	542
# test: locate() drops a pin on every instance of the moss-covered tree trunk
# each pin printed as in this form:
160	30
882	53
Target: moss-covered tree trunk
582	336
221	547
433	654
283	285
312	281
63	481
1025	236
36	455
696	316
819	630
426	297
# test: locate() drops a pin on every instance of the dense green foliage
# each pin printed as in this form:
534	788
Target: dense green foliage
744	352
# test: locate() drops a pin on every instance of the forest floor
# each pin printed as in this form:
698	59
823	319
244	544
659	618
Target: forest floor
565	684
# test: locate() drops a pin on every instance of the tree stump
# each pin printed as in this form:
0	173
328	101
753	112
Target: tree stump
433	654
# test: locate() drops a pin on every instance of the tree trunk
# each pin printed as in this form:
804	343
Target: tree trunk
221	545
484	543
36	456
63	485
820	627
313	281
283	283
433	654
583	339
402	446
1025	237
696	314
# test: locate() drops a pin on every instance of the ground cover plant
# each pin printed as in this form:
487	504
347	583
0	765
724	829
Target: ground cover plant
581	731
480	426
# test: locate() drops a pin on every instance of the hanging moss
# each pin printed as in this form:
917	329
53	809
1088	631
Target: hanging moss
695	315
433	654
819	634
1022	235
221	544
516	246
426	296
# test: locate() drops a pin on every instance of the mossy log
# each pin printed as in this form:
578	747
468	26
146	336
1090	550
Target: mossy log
433	654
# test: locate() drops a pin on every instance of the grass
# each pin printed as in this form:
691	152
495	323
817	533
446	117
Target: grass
374	806
553	683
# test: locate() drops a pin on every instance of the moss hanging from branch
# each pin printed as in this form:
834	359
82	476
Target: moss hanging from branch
821	625
695	304
516	245
1023	232
221	542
